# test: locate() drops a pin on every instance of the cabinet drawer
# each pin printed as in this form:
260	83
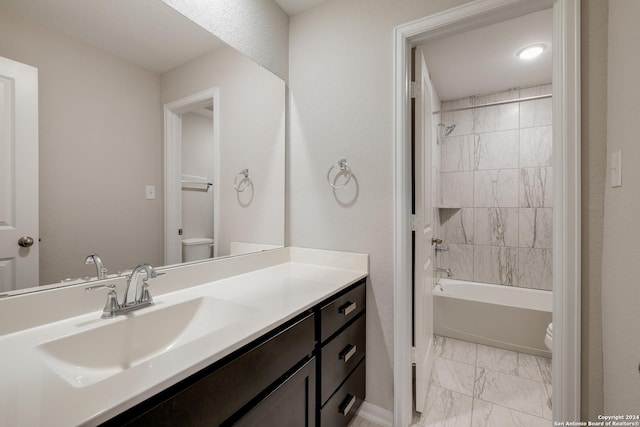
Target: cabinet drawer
344	404
341	355
212	398
341	310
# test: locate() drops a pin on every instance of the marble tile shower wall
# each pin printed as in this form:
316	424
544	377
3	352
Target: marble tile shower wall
496	190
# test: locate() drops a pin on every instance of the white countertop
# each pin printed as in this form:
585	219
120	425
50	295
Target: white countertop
32	394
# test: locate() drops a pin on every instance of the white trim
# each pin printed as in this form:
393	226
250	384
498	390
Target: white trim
375	414
402	396
566	211
173	168
172	171
566	220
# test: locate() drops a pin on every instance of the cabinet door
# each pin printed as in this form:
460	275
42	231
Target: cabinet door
292	403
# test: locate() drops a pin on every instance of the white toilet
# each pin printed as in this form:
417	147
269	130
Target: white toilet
548	338
196	248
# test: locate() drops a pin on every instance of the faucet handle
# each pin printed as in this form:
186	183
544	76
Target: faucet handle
112	305
155	273
96	287
145	295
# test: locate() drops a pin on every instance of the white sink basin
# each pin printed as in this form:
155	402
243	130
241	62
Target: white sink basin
93	355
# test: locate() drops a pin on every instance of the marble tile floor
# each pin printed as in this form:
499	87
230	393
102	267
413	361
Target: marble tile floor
474	385
361	422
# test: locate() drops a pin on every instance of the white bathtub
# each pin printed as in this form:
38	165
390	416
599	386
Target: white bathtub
501	316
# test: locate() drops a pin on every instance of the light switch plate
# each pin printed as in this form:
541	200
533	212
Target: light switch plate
151	192
616	169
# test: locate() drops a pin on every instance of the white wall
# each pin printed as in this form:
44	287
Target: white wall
341	105
197	160
257	28
100	144
621	252
251	137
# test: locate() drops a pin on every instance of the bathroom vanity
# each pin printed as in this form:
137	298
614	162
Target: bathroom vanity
291	376
275	338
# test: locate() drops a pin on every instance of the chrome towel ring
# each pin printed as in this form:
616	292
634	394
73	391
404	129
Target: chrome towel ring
244	175
343	169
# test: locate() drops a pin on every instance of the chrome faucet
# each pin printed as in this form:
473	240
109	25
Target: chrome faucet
131	294
100	268
131	300
446	271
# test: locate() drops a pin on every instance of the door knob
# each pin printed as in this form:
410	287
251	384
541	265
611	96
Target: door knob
436	241
25	241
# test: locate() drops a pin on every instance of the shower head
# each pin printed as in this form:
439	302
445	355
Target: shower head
449	129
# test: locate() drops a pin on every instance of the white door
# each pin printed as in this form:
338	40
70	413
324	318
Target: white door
18	175
423	227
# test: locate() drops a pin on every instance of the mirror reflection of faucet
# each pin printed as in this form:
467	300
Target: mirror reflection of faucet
101	270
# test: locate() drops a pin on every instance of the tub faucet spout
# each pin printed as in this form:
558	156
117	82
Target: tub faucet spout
446	271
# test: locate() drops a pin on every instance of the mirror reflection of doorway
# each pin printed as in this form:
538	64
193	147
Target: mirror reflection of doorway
192	168
198	170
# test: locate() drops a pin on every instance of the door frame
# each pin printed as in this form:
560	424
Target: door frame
566	184
173	112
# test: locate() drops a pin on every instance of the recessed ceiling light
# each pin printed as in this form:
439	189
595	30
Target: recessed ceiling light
531	52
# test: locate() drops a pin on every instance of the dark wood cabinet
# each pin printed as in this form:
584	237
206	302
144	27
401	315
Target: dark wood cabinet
340	310
307	372
341	355
224	392
291	404
344	404
341	352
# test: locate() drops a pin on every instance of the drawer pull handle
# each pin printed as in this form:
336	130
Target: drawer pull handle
348	352
347	404
347	308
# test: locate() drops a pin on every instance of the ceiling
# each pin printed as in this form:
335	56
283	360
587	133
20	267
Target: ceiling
295	6
145	32
483	61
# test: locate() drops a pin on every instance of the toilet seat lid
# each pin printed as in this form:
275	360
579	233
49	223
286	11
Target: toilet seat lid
197	241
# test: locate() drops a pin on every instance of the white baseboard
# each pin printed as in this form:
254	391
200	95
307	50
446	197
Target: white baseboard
376	414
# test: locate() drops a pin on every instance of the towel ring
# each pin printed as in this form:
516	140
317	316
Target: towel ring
244	173
344	169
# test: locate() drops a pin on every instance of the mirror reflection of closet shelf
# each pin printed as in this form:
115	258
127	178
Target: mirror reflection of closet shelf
193	182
